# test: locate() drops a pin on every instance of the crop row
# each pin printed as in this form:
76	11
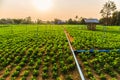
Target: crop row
97	66
85	39
37	54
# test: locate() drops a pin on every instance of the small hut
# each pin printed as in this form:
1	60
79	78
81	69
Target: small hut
91	23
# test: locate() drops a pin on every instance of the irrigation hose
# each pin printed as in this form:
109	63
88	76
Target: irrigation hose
76	61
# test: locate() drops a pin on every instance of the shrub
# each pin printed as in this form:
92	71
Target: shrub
35	73
1	68
55	68
44	75
31	62
70	59
6	74
17	59
113	79
98	71
107	68
39	61
68	77
53	60
55	74
22	64
13	78
112	74
23	78
118	70
89	74
30	51
92	78
71	66
15	74
26	73
34	78
86	63
18	68
64	69
36	67
102	77
2	78
45	69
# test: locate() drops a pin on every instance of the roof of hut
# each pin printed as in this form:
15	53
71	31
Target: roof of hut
96	21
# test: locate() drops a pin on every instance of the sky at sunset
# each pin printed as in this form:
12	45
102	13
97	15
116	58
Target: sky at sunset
50	9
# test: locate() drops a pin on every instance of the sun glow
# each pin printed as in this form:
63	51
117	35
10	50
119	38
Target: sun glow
43	5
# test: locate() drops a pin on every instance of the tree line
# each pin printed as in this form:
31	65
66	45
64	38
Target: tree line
28	20
109	14
112	20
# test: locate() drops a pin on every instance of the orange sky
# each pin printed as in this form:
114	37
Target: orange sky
62	9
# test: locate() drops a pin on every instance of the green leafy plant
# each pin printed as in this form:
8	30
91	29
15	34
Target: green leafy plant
35	73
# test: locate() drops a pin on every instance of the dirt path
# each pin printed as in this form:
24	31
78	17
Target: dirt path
69	36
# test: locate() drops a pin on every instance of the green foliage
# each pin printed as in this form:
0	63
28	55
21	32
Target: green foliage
15	74
70	59
2	79
18	68
28	52
26	73
102	77
23	78
68	77
35	73
113	79
64	69
107	10
45	69
7	72
44	75
55	74
34	78
101	62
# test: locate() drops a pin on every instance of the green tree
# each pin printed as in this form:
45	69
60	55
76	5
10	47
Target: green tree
70	21
27	20
39	21
76	17
108	8
116	18
17	21
57	21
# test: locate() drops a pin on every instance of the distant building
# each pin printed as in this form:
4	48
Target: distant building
61	22
91	23
58	21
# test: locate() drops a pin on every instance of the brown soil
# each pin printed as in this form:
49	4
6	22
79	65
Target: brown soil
40	73
50	71
75	74
61	77
1	73
82	66
11	72
118	76
21	73
29	76
69	36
